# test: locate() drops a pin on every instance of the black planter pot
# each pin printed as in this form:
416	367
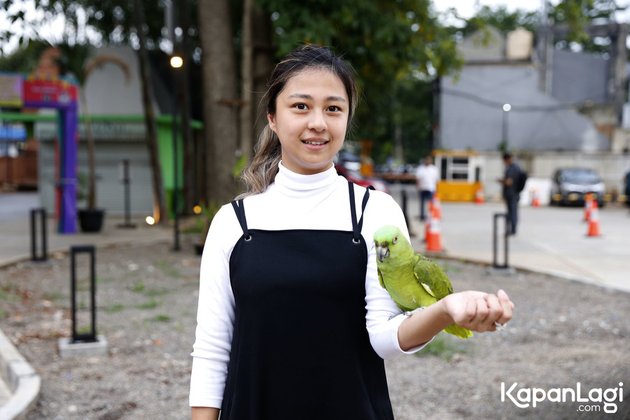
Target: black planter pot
91	220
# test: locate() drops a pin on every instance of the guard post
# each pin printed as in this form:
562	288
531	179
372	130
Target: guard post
83	343
495	241
35	256
84	337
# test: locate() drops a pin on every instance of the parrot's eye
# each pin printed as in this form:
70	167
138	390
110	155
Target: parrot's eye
395	239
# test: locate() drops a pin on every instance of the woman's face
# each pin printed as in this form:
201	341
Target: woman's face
311	120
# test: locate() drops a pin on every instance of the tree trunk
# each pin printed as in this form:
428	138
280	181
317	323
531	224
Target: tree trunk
247	77
263	59
220	105
159	207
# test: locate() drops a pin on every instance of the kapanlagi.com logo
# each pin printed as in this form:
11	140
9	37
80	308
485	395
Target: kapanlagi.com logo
592	400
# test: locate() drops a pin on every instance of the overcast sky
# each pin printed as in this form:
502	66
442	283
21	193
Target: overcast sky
467	8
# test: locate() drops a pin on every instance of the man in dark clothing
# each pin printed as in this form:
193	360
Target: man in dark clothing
510	193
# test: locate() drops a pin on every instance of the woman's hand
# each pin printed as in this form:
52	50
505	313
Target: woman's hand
479	311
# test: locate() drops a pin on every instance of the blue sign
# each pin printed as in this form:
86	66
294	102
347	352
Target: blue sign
12	132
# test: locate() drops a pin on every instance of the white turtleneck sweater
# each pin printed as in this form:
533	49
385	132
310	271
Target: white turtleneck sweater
293	201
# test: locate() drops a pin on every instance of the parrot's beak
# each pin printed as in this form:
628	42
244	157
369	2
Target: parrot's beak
382	252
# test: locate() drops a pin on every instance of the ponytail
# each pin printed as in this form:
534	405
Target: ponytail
264	166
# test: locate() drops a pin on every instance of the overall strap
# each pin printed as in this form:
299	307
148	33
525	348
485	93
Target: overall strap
239	209
357	225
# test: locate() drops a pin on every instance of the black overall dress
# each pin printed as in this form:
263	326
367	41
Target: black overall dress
300	348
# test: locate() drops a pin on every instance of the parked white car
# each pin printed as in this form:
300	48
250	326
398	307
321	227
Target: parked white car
570	185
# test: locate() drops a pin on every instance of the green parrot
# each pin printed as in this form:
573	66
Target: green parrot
411	279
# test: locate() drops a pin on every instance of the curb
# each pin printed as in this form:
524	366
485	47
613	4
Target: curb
517	267
22	380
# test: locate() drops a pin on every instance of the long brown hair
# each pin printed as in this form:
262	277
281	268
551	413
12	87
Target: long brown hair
264	166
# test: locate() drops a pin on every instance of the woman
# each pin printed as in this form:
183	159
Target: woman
292	322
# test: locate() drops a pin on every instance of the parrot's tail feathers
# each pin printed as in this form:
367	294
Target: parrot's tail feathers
458	331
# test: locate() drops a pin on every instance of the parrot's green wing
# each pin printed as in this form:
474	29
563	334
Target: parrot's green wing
431	274
425	286
380	277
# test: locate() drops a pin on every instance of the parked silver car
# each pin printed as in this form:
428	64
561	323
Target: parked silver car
570	185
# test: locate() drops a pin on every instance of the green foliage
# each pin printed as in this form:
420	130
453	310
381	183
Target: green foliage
388	42
24	59
112	20
577	15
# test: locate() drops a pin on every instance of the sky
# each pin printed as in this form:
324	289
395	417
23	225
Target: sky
467	8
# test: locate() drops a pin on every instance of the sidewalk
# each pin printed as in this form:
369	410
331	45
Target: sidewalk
15	243
550	240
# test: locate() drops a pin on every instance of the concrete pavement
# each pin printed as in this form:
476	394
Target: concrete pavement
550	240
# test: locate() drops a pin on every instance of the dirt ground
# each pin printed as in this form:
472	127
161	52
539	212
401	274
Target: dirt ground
566	337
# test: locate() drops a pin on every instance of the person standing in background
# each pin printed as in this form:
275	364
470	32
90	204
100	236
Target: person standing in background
510	191
426	180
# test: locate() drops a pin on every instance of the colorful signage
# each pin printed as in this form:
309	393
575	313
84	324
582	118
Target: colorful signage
49	92
11	90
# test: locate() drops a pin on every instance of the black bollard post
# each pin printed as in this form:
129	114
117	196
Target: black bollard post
44	234
126	180
76	336
495	240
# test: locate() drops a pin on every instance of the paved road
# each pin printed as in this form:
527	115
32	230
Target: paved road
550	239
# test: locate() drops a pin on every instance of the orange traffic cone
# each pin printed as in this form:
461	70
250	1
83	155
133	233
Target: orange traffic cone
535	198
436	208
479	199
434	240
427	228
588	206
593	221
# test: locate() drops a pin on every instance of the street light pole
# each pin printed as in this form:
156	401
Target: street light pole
504	127
176	63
